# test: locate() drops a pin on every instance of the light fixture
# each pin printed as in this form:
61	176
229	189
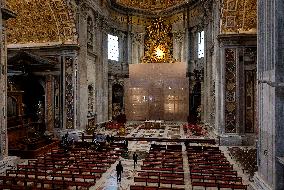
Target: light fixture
160	54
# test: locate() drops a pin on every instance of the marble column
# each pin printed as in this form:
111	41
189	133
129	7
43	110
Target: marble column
70	88
105	79
81	92
231	89
5	160
3	89
49	88
270	71
110	81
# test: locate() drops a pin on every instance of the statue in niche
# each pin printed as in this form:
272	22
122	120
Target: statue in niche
90	32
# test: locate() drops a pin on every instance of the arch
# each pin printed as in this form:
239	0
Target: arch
33	93
12	106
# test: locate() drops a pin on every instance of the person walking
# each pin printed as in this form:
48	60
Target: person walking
119	170
135	158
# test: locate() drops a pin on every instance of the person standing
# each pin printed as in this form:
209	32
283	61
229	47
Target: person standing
135	158
119	171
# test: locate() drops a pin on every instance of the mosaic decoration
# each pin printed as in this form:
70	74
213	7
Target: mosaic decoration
230	96
250	81
90	32
213	104
140	20
69	93
40	21
90	98
150	4
57	103
250	59
239	16
117	99
158	43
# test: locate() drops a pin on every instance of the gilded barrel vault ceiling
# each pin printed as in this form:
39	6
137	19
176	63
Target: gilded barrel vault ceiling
41	21
151	7
150	4
239	16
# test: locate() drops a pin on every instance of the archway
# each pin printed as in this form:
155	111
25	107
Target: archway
33	96
117	100
195	102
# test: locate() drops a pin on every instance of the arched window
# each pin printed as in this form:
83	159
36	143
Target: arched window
113	50
201	44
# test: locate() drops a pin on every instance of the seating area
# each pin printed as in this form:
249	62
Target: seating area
167	163
162	169
246	157
210	168
79	168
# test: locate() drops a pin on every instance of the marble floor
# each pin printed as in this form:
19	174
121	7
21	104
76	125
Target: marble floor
109	180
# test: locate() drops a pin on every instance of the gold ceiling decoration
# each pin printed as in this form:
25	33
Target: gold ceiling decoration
153	5
41	21
158	42
239	16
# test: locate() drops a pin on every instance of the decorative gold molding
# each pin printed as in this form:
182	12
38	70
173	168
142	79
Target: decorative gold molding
41	21
239	16
150	4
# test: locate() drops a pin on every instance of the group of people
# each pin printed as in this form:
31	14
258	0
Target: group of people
119	167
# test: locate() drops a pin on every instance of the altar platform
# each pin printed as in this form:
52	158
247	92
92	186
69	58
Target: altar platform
153	124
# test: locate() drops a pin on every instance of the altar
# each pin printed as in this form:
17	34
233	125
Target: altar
153	123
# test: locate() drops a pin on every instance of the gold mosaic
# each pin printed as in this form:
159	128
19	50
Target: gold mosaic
239	16
150	4
41	21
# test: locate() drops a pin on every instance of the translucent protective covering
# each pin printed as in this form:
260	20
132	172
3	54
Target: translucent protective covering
157	91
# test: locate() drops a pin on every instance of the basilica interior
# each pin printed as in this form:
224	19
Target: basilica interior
194	88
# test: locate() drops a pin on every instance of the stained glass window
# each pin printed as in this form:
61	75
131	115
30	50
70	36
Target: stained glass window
113	50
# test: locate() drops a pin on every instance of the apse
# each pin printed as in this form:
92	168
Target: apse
157	91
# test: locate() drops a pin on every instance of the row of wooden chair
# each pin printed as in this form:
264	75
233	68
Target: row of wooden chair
79	168
141	187
210	168
163	166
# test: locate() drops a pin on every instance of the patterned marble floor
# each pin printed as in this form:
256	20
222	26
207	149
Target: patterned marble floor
108	181
170	130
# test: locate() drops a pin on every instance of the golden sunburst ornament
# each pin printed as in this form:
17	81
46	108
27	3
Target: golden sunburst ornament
158	42
160	54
